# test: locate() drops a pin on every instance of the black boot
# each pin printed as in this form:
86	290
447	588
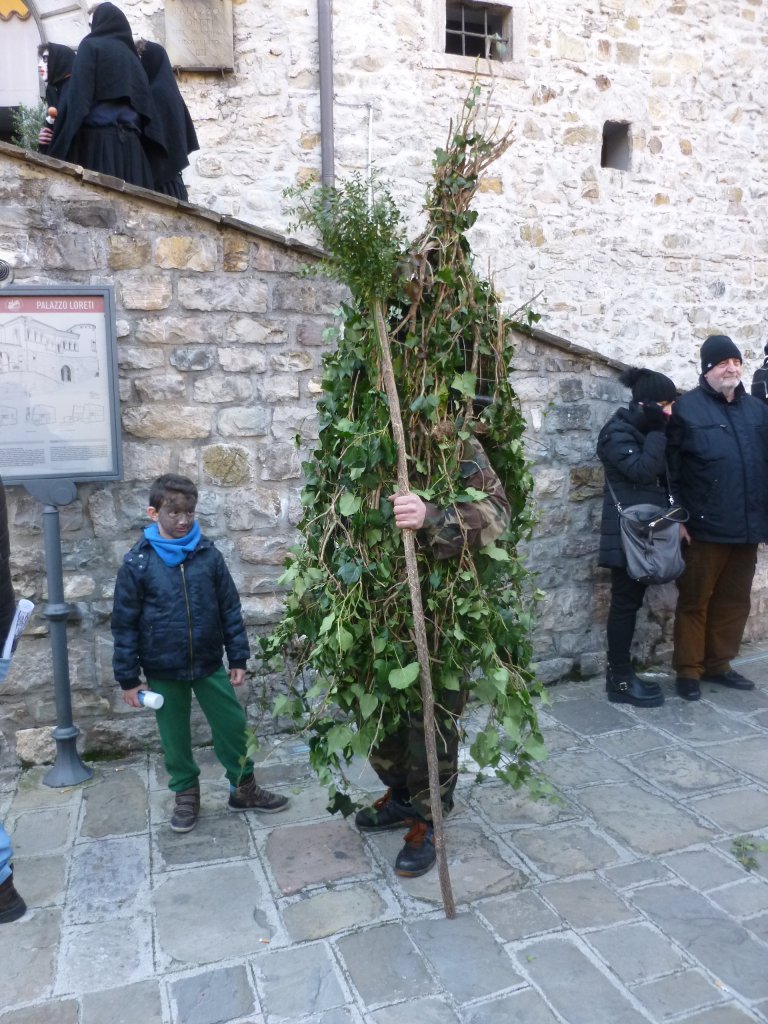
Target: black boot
418	855
624	687
12	906
389	811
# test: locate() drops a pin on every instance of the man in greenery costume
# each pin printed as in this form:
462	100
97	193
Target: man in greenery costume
400	760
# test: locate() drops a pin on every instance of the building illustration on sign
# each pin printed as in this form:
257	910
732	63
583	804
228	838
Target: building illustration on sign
61	356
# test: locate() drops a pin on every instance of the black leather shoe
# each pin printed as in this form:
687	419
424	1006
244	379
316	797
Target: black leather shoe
12	906
627	688
387	812
733	680
418	855
688	689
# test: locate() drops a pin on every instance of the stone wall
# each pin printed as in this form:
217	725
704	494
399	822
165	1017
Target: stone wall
219	349
639	264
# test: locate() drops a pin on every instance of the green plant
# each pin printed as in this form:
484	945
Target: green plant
744	849
348	625
27	122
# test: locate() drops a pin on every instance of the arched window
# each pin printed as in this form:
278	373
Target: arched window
66	374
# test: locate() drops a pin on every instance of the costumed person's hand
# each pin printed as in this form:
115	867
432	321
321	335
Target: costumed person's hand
45	136
655	417
684	535
237	676
131	697
410	511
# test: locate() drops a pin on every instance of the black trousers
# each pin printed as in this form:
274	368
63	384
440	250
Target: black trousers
626	600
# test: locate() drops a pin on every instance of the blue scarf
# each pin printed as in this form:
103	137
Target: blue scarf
173	552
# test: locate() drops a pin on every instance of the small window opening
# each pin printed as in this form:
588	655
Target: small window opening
478	30
616	146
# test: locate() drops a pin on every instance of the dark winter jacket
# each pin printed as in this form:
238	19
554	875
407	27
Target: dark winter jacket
174	622
634	461
718	463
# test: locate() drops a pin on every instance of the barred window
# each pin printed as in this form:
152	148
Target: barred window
478	30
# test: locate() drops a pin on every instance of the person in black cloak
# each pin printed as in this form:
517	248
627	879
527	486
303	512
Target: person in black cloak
108	122
54	63
177	127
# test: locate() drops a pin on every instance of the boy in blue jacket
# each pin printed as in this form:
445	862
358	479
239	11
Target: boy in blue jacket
176	610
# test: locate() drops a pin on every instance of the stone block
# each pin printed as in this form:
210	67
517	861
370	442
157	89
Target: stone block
131	1004
191	359
383	966
127	252
225	294
160	388
236	253
143	357
186	253
242	360
228	465
171	422
291	362
244	421
175	331
219	389
35	746
297	982
139	292
337	910
214	997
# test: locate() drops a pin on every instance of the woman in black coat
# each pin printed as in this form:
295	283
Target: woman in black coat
178	131
632	448
108	121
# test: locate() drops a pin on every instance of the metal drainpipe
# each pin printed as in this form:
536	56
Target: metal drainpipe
325	46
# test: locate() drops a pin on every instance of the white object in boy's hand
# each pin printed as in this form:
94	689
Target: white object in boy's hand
149	699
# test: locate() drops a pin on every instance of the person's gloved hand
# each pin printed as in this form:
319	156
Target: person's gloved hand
655	417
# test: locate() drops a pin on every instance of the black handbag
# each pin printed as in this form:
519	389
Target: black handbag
650	539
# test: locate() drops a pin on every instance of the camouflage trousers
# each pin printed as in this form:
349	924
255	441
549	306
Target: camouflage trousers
400	760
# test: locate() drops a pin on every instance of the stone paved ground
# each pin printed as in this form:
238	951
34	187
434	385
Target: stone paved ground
621	904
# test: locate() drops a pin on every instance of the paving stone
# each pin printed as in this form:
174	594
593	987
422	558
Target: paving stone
109	878
730	1014
631	741
219	836
40	880
32	794
589	716
298	982
570	850
574	986
384	965
115	805
677	993
648	823
700	723
425	1011
309	803
339	1015
214	997
744	702
42	831
721	945
503	806
586	903
132	1004
635	952
759	926
628	875
519	916
227	897
304	855
682	771
704	869
28	951
584	767
328	913
465	957
749	756
557	738
475	865
53	1011
745	899
526	1007
741	810
107	954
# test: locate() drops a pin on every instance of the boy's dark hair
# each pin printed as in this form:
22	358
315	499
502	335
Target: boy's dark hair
170	483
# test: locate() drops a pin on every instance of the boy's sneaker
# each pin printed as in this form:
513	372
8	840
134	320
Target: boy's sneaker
418	855
385	813
12	906
186	810
249	796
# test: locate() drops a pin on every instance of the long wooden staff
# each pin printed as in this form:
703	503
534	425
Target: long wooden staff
419	627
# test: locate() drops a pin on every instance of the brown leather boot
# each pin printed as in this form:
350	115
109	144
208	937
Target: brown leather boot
12	906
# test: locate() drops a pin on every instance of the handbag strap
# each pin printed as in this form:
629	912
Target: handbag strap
673	506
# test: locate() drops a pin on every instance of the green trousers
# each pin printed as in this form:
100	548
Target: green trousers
224	715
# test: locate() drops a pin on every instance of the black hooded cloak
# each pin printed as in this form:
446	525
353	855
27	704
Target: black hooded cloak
178	131
60	61
108	119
